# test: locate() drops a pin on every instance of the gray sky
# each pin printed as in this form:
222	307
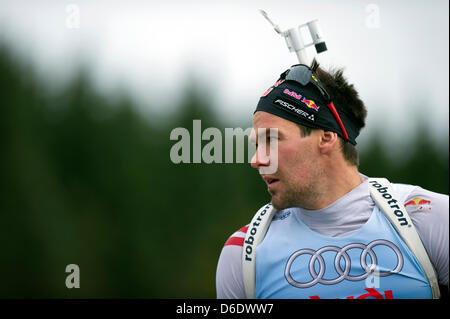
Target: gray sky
395	52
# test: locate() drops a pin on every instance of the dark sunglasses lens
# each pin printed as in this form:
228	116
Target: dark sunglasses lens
300	74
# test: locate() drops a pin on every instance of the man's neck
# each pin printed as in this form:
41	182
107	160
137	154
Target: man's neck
333	185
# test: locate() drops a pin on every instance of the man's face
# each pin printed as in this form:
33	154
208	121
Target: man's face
298	170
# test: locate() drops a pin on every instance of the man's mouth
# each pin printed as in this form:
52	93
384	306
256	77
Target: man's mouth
270	180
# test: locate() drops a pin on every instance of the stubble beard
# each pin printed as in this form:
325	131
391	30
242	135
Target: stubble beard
295	194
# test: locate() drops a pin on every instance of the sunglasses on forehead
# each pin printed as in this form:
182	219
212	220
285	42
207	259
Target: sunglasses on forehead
303	75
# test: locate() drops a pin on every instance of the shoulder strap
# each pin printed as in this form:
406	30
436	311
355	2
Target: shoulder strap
389	203
255	234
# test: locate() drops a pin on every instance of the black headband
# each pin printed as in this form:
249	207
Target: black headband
308	105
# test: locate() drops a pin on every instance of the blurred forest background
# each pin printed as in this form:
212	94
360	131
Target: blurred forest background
89	181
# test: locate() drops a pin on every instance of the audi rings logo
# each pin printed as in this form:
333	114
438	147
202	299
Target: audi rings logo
343	273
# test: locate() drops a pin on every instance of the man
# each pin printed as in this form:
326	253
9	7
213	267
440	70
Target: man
328	231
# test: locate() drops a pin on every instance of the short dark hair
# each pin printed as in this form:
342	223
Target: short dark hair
346	96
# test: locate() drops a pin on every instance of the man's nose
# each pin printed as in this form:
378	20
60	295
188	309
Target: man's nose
260	159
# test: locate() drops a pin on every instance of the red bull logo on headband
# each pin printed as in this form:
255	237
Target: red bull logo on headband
311	104
293	94
271	88
419	204
268	91
278	83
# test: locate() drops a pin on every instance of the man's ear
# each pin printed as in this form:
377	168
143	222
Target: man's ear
327	141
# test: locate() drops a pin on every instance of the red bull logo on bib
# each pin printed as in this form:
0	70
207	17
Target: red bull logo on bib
419	204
